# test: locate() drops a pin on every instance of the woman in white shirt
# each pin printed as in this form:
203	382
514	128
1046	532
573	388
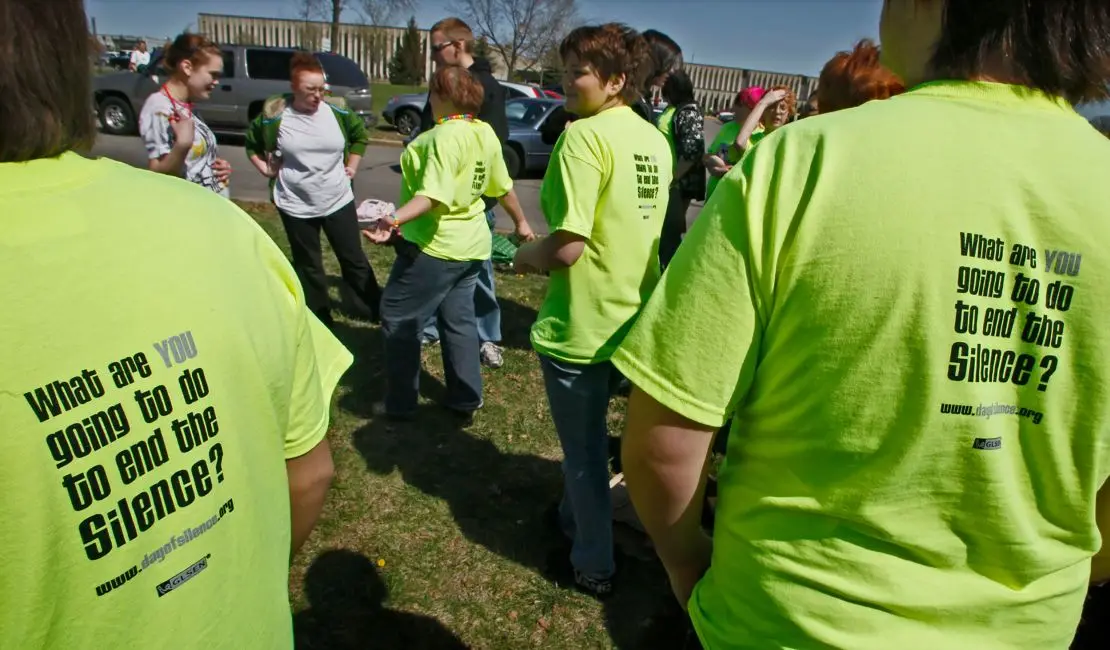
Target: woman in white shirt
140	58
310	146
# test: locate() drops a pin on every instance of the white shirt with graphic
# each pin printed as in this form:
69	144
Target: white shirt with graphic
312	181
158	136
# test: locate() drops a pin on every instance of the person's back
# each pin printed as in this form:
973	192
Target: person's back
914	421
164	395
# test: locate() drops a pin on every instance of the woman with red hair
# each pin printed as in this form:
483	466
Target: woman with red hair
853	78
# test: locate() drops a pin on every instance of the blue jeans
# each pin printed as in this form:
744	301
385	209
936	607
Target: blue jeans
421	287
579	399
486	310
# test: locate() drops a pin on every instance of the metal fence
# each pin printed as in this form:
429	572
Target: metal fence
373	48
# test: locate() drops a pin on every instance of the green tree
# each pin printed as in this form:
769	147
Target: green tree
481	49
407	65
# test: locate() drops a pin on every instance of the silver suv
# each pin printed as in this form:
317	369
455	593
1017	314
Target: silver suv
251	75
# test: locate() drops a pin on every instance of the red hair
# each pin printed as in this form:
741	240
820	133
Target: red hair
304	62
791	99
854	78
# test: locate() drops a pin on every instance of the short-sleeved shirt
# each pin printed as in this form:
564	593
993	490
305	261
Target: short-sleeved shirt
454	164
312	181
140	58
158	372
684	129
606	182
158	136
722	147
912	332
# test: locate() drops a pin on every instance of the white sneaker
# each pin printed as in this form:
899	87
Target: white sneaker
491	355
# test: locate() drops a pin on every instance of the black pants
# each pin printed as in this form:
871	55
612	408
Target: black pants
341	228
674	226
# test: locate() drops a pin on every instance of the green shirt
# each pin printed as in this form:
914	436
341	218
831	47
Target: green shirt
607	181
916	450
666	125
192	373
454	164
727	137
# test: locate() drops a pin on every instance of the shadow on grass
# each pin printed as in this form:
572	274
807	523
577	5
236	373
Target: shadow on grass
347	611
498	500
516	324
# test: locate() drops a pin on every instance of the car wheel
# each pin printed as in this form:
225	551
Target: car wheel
116	116
406	120
513	161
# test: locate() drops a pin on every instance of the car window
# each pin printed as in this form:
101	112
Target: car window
229	64
527	112
342	71
268	64
513	93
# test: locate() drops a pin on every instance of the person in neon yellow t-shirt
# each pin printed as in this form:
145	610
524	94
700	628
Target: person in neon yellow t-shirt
445	241
911	332
604	197
723	153
165	391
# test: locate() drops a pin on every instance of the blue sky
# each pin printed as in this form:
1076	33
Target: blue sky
795	36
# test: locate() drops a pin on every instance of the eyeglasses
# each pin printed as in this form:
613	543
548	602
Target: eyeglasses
439	47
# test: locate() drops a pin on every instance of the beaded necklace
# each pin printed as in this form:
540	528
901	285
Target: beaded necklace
461	116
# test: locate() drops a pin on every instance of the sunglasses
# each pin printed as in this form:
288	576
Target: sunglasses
439	47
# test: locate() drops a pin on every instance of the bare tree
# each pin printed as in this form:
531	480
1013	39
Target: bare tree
523	32
371	12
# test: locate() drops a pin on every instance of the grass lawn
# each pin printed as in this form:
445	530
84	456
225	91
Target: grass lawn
445	525
381	93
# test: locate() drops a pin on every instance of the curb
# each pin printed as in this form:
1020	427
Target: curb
382	142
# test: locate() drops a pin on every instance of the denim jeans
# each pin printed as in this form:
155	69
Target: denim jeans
421	287
579	399
486	310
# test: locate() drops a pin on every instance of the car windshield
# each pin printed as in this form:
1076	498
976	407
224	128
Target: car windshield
342	71
526	112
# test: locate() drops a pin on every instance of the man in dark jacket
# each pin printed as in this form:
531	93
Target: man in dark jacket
452	44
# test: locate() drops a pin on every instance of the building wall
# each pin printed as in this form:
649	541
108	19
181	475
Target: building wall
373	47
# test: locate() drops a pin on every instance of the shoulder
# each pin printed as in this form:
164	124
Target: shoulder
157	102
338	104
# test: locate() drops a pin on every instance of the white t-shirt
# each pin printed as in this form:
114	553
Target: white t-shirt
157	134
311	181
140	58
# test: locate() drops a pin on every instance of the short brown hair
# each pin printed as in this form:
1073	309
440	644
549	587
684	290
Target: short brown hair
304	62
612	50
188	47
455	30
45	68
1060	47
853	78
459	87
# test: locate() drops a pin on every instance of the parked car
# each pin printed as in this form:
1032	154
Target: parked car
403	111
120	60
525	150
251	75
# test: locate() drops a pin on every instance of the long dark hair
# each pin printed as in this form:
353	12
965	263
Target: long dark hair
664	56
678	89
45	79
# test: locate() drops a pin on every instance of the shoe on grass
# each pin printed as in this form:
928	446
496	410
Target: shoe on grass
492	355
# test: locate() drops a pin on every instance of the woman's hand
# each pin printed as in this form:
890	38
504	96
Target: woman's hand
351	172
381	232
524	233
716	166
184	130
221	169
772	98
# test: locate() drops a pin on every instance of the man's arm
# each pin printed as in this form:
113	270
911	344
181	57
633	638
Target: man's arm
664	457
1100	563
559	250
310	477
520	224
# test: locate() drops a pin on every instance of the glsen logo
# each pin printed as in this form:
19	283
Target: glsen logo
987	443
188	574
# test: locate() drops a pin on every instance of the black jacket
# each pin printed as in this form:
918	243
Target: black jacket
493	108
493	104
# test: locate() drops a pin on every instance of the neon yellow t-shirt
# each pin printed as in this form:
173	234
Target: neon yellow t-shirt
726	137
912	332
159	368
607	181
455	164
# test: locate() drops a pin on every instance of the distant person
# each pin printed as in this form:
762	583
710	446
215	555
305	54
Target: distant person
452	44
164	395
683	124
177	141
812	107
854	78
311	156
774	110
604	198
723	152
140	58
918	459
445	243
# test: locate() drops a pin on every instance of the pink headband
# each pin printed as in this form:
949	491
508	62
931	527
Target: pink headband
750	96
